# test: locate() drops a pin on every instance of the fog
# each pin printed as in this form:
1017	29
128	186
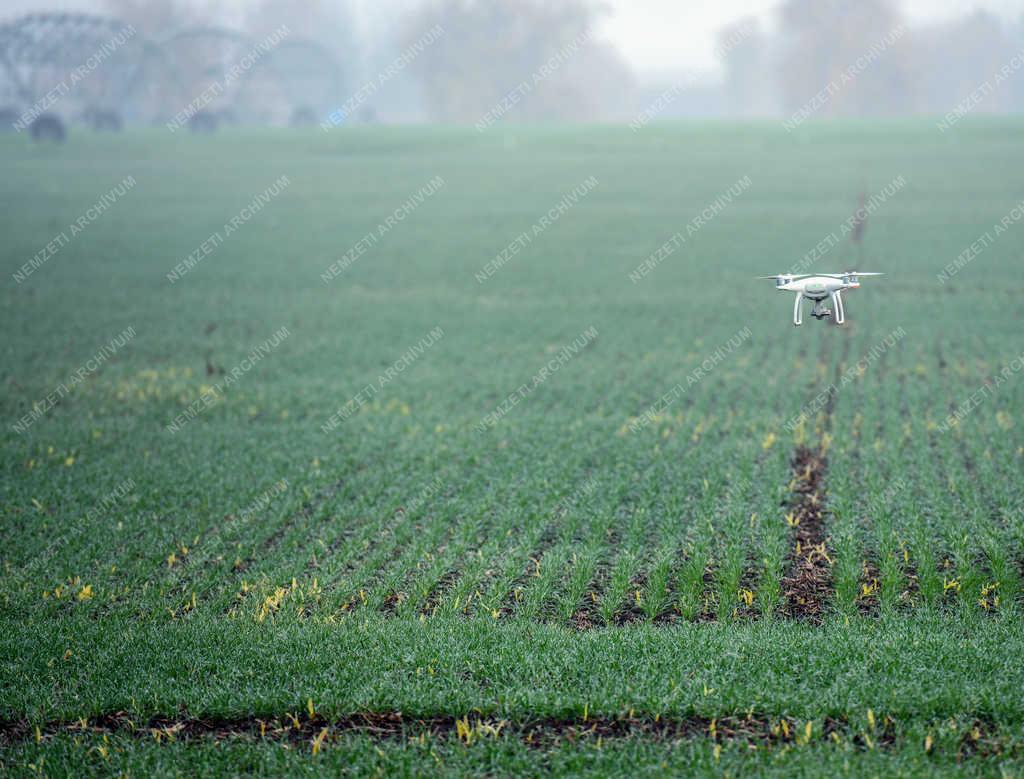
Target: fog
486	62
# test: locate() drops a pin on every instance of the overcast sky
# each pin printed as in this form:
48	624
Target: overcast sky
655	36
666	35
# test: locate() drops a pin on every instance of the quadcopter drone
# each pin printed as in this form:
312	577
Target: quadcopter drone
817	288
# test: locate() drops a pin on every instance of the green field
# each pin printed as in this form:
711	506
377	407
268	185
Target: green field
356	451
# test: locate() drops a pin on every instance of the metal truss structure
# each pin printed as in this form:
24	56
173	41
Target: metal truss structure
100	71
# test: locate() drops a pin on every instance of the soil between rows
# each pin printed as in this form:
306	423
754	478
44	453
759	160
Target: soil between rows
807	584
980	737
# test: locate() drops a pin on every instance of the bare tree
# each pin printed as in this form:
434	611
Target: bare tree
746	58
852	50
530	59
962	60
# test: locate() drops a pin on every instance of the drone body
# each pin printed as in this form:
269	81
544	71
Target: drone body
818	288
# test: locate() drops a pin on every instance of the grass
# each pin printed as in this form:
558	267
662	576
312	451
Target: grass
568	500
520	670
356	756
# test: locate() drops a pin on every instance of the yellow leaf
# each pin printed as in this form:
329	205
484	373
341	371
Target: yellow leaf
319	740
85	593
462	729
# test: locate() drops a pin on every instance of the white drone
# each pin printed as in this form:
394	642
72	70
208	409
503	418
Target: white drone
817	288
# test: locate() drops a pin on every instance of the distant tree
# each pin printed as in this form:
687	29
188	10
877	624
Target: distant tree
326	23
1016	34
822	41
527	58
745	52
599	83
961	61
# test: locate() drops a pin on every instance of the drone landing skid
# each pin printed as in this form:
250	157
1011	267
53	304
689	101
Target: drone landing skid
819	288
819	311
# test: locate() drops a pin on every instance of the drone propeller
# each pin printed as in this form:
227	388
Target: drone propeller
786	276
850	273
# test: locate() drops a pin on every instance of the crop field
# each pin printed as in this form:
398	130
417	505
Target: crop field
405	451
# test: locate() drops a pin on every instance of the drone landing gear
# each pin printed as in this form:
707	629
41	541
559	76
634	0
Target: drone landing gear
820	312
837	301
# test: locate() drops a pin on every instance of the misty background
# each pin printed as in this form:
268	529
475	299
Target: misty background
458	61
